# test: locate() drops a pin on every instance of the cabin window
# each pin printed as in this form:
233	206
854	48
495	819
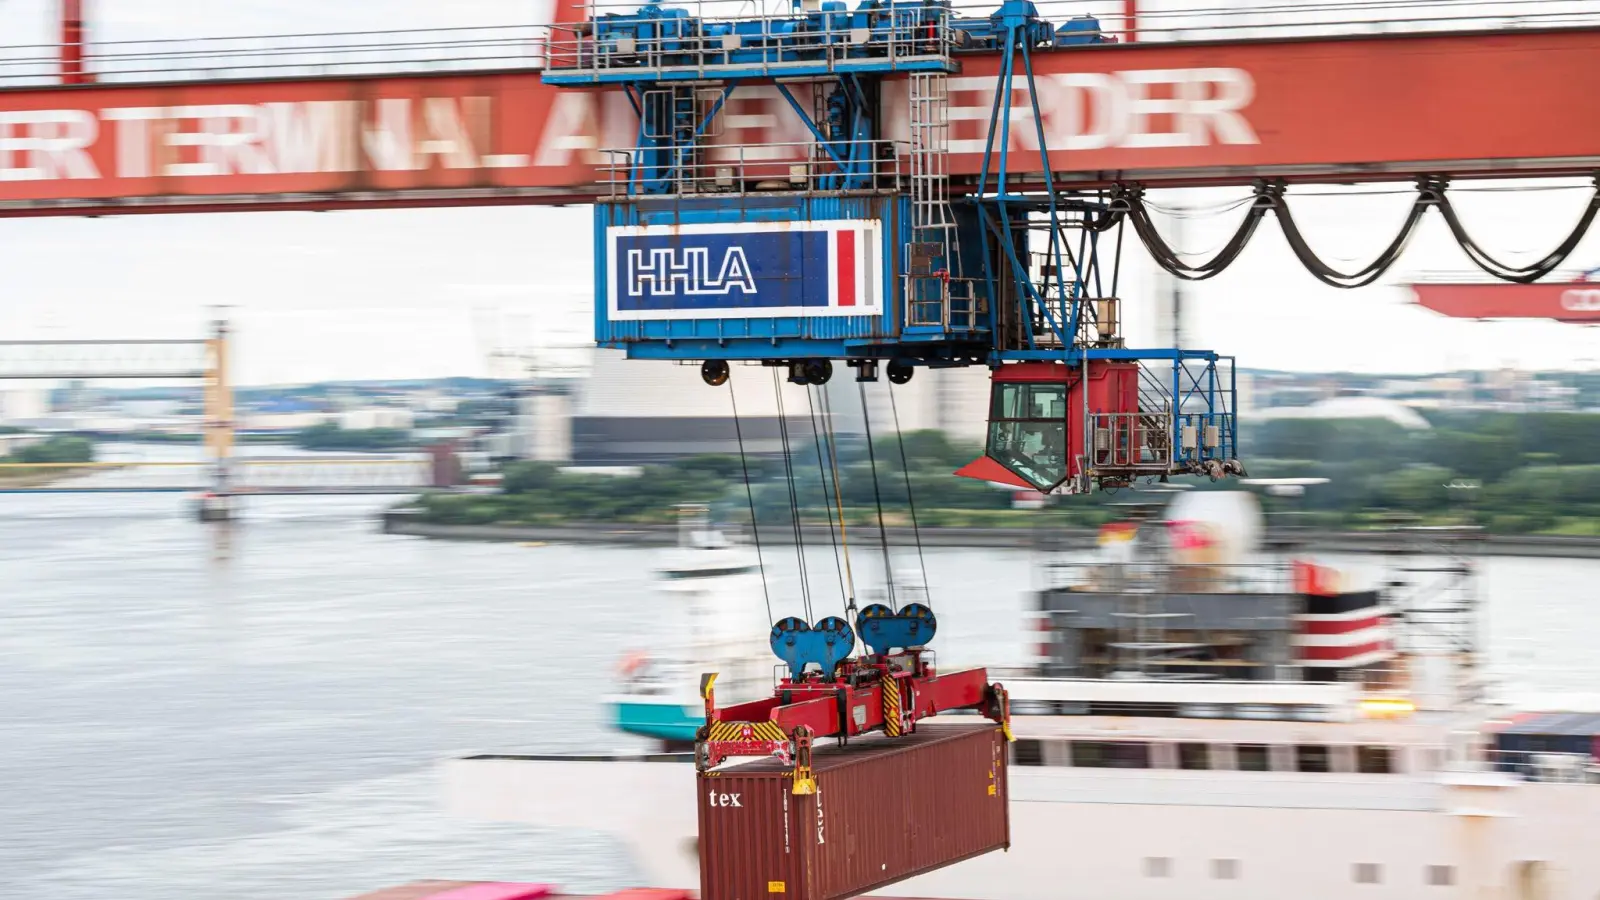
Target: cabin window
1311	758
1368	873
1441	876
1194	756
1028	431
1111	754
1225	869
1158	866
1252	758
1374	760
1027	752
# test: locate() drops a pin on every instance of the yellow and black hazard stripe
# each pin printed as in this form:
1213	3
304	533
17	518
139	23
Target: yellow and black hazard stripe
891	707
734	731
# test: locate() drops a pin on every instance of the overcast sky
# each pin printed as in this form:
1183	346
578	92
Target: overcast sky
417	293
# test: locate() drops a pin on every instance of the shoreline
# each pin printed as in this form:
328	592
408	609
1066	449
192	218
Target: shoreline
400	522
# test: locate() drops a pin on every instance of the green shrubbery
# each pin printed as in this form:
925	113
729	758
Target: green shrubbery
1528	473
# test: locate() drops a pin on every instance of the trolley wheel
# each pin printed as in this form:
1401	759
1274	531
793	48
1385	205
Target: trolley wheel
818	371
714	372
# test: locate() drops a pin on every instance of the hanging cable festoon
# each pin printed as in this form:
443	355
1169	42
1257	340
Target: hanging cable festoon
750	496
1128	203
1522	274
1429	193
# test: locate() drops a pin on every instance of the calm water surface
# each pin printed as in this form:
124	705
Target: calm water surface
189	711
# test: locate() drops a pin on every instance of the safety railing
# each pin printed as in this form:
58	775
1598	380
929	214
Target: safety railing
628	46
523	46
288	55
935	300
309	475
741	168
1163	577
1548	767
1212	20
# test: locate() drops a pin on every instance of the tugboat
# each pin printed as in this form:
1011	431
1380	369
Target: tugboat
711	621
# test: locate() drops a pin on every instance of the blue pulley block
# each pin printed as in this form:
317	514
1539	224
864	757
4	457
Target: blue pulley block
883	630
798	644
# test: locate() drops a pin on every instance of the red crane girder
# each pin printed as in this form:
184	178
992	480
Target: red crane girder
1162	114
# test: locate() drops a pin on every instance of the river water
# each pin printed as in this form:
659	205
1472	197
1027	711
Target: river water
254	711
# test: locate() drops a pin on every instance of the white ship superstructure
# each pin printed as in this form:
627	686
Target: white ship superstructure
1198	726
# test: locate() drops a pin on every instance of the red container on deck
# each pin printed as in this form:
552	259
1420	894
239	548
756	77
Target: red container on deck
885	809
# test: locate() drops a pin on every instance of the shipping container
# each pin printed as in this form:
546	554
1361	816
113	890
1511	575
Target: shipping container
783	276
885	809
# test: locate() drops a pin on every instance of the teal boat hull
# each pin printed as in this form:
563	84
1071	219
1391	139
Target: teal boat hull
662	721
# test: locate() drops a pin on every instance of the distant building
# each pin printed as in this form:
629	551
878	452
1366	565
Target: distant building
636	412
1349	408
375	417
23	404
282	421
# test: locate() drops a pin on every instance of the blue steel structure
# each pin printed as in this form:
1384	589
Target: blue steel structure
865	251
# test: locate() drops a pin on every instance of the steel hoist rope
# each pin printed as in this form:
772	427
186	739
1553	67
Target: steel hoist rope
827	495
794	498
911	503
877	495
838	505
750	497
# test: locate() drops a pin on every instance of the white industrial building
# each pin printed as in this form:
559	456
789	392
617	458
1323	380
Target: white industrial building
632	412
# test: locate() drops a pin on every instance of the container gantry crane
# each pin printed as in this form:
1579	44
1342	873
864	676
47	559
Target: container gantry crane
859	253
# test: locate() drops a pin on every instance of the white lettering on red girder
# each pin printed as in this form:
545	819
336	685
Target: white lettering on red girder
1581	300
1141	108
1134	109
47	144
316	136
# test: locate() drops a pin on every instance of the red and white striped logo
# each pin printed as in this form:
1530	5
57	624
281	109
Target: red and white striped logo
847	276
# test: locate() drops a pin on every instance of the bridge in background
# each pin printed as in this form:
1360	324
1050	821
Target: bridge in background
222	475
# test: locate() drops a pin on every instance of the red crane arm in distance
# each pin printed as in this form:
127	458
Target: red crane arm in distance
1576	302
1159	114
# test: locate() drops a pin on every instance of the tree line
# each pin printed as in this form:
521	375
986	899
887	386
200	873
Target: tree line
1514	473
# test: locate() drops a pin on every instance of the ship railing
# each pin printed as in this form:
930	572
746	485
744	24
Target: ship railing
1176	578
1530	765
622	45
737	168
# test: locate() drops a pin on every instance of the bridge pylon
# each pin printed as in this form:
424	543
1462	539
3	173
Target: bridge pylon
218	504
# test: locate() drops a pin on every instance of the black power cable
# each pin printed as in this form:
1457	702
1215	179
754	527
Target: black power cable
1166	257
1428	194
1128	203
1520	274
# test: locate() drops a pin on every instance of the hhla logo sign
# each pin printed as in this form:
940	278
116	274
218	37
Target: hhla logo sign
663	272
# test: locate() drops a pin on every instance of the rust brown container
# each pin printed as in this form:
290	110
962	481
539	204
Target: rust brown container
885	809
